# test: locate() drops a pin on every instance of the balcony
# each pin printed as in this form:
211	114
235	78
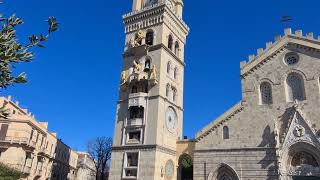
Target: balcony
43	151
138	99
16	140
135	122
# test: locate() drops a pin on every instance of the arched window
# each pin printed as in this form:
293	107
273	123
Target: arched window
176	48
295	87
147	64
167	90
266	93
170	42
225	132
169	67
149	37
175	74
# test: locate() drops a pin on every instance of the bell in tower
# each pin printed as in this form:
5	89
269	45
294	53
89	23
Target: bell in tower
149	114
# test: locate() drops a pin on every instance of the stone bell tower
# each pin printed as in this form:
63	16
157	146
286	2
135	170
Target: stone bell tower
149	116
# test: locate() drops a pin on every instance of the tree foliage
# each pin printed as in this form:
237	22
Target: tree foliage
100	150
7	173
13	52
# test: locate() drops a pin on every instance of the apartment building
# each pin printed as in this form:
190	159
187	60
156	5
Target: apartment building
86	169
28	146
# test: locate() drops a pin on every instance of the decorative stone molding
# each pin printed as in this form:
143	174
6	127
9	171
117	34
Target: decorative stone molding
137	20
305	170
272	50
220	121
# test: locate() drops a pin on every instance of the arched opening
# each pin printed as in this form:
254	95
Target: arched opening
176	48
136	112
224	172
295	87
185	169
303	162
150	37
147	65
170	42
225	132
266	93
303	158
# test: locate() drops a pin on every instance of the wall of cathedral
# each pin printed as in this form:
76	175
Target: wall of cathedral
249	148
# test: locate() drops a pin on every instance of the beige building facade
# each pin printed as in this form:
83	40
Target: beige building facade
28	146
86	169
273	133
150	106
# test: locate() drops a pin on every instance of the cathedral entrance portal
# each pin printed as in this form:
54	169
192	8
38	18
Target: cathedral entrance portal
303	162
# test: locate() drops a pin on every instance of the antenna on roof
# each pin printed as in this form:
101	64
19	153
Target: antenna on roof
285	20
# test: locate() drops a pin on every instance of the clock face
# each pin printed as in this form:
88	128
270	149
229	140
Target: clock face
171	120
169	170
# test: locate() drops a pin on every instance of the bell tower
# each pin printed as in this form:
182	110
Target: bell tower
149	115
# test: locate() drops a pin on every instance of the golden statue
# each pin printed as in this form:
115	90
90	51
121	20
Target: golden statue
153	74
123	77
136	67
139	36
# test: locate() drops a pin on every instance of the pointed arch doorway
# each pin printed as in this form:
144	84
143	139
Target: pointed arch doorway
223	172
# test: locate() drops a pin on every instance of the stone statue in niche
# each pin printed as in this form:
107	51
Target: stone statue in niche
299	131
153	74
136	67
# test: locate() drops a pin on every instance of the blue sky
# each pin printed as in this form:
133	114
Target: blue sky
73	83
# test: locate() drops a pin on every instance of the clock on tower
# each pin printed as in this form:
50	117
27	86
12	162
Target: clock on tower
149	114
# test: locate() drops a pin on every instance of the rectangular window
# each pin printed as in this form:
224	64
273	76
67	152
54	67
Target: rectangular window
134	137
131	164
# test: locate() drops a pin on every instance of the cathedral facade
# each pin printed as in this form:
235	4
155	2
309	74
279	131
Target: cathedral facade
272	133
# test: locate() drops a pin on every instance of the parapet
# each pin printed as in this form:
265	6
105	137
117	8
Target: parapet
287	32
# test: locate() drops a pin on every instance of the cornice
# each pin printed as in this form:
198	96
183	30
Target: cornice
138	17
153	147
154	97
127	53
27	121
235	149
